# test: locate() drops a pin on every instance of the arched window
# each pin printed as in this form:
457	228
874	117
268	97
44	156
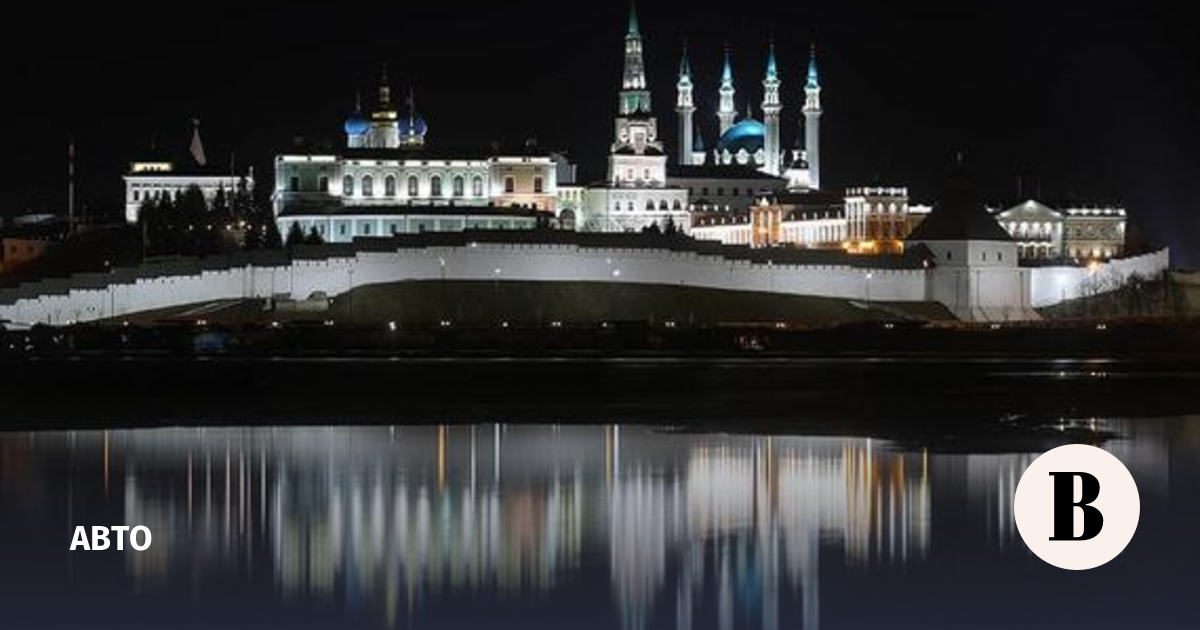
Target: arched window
435	186
413	186
662	204
347	185
389	186
649	204
368	186
676	205
510	185
477	186
458	186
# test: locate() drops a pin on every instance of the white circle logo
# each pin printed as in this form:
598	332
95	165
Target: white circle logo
1077	507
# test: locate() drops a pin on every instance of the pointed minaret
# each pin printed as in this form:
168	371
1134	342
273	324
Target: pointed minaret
634	95
726	111
684	108
812	121
771	107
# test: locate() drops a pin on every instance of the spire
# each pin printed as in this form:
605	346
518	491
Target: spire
357	101
634	95
727	71
685	66
772	73
813	81
197	147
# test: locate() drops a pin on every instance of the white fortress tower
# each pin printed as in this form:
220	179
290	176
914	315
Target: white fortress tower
771	107
684	108
812	122
726	111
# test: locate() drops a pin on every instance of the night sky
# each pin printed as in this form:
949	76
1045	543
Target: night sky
1075	100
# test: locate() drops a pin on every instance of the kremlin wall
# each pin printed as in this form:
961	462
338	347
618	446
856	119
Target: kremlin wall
547	257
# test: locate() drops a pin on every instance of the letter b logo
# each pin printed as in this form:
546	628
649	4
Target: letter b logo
1064	506
1076	506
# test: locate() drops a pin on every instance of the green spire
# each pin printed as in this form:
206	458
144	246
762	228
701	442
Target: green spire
685	67
727	71
772	73
633	21
813	82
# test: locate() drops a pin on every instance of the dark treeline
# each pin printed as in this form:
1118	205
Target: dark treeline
188	224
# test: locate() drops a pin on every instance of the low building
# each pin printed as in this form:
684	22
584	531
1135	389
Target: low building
1074	231
342	225
730	188
876	219
158	173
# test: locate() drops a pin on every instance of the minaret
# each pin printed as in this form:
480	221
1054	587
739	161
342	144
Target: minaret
635	97
812	122
771	108
726	112
684	108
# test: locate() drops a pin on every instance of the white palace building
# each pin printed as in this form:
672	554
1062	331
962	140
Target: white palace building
393	208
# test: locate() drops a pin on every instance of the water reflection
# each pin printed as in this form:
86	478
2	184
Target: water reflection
692	531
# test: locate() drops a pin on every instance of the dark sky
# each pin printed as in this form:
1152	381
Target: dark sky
1079	101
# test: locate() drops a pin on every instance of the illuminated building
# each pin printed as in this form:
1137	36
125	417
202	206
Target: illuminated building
389	180
1082	233
636	194
160	174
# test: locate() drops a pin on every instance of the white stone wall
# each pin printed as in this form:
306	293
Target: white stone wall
1051	285
992	287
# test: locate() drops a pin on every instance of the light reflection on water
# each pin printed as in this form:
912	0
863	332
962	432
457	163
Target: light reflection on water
659	529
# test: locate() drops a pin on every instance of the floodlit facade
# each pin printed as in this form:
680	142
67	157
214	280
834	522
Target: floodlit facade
389	180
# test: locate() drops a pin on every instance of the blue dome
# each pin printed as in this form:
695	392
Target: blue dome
412	126
356	125
748	134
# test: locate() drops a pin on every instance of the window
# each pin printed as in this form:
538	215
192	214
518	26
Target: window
537	185
347	185
389	186
509	185
342	229
629	206
368	186
136	195
367	229
720	191
983	256
1000	256
646	174
649	204
662	204
676	205
294	184
323	184
435	186
735	192
477	186
949	255
413	186
704	191
458	186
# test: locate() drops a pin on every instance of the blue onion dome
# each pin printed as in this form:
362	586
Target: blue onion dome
749	134
356	125
413	125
